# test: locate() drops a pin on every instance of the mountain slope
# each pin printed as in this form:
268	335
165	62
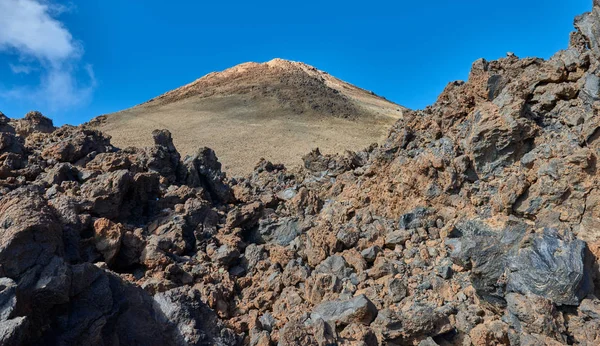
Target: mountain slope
278	110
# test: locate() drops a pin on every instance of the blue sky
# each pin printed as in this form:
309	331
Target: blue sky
77	60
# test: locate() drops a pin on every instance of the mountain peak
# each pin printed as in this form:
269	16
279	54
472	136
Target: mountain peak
297	86
279	109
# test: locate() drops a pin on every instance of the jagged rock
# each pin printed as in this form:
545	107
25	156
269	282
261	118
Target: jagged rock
107	193
414	219
107	238
12	155
282	231
335	265
13	331
347	237
5	125
370	253
397	238
428	342
34	122
252	255
317	162
294	333
61	172
204	169
72	144
552	267
30	234
356	310
535	315
132	245
587	25
528	264
164	158
485	252
192	321
423	321
225	255
247	216
396	290
8	298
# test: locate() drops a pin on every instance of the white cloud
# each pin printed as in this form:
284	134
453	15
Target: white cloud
21	68
30	30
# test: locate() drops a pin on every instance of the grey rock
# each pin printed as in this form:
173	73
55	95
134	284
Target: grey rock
204	169
534	315
476	246
53	285
552	267
61	172
246	216
587	24
282	232
29	231
356	310
14	331
423	321
425	285
107	192
225	255
287	194
495	85
8	298
267	321
591	87
192	322
163	157
370	253
398	237
237	271
444	271
591	308
397	290
335	265
252	255
347	237
323	332
545	264
428	342
414	219
260	338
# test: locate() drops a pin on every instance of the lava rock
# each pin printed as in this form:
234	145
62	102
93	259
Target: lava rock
356	310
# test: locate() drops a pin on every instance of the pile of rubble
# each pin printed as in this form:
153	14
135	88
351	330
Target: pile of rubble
477	222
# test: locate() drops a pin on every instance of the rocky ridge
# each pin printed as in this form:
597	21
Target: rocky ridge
477	222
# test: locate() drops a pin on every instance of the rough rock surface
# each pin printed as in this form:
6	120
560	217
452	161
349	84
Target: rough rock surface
477	222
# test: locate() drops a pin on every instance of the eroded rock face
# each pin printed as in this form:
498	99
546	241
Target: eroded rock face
477	222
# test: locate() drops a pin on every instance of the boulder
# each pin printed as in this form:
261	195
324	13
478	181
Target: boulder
551	266
192	322
34	122
282	231
30	233
356	310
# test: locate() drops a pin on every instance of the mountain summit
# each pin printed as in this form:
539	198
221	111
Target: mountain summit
278	110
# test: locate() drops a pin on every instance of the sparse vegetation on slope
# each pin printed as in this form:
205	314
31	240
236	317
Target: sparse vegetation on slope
279	109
